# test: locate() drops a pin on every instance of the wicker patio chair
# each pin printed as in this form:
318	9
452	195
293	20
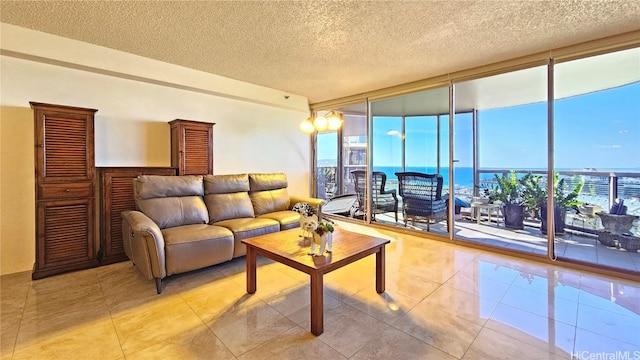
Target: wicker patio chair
422	197
383	201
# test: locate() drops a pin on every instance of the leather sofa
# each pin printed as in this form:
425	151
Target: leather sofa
184	223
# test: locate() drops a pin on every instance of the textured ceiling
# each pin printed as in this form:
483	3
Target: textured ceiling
327	50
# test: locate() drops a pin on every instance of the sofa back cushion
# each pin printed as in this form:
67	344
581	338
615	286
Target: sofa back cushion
171	200
227	197
268	193
158	186
226	184
271	181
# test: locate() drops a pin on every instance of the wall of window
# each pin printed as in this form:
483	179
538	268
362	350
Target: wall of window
503	124
326	164
354	149
596	137
510	140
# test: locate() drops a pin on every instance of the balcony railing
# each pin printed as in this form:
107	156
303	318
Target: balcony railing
600	187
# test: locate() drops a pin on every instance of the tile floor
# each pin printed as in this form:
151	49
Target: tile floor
442	302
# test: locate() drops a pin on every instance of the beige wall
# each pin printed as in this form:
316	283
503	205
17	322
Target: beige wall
255	132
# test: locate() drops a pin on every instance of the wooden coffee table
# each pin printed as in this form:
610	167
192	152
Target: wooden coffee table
287	247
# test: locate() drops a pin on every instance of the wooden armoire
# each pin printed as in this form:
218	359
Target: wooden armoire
64	174
192	147
115	189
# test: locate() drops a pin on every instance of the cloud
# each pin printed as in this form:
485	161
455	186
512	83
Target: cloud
615	146
623	131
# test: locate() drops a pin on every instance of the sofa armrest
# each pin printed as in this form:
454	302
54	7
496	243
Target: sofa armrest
318	203
147	244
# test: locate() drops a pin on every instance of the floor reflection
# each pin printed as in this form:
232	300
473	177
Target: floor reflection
442	301
573	245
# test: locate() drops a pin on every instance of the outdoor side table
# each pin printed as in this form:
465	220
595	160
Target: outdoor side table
490	208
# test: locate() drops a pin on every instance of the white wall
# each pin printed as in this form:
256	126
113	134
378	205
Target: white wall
253	133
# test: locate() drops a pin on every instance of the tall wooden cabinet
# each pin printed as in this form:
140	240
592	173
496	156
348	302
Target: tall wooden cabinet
116	196
192	147
64	169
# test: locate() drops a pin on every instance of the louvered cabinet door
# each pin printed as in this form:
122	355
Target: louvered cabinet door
116	196
64	168
192	147
64	145
63	232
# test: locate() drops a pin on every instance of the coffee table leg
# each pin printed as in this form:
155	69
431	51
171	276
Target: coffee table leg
380	285
251	270
317	307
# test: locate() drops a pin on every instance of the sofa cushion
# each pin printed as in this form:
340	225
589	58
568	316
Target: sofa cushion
268	193
169	212
226	184
246	228
261	182
270	201
193	247
157	186
288	219
228	206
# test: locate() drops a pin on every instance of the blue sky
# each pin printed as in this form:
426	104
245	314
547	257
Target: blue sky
600	130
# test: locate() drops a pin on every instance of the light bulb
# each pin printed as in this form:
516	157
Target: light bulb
307	126
320	123
335	120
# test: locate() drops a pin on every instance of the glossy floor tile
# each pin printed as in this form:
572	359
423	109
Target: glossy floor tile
442	301
574	244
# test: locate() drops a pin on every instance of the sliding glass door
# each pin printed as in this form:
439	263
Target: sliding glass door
422	143
326	164
543	159
508	136
387	145
410	152
463	163
597	158
354	149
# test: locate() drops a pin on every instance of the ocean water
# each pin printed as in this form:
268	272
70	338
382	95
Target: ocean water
463	176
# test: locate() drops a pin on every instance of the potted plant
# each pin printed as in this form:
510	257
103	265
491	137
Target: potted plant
323	237
509	190
483	192
535	194
536	200
323	228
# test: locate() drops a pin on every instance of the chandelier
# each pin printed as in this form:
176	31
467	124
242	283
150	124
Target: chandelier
330	121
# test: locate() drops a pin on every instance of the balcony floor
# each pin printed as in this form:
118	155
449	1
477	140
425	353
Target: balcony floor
573	245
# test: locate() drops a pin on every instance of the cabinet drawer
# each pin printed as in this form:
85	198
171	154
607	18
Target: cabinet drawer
63	191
